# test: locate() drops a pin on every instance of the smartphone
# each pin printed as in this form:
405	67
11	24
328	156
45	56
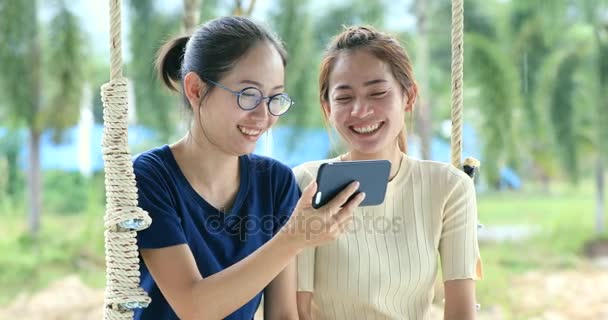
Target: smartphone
334	176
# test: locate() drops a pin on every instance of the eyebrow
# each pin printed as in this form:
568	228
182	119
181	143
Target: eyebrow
365	84
257	84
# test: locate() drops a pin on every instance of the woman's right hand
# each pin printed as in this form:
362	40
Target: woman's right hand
310	227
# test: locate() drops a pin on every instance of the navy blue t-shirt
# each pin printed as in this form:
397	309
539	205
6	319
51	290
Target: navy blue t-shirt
267	195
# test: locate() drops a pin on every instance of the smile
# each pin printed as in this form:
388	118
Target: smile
249	131
368	129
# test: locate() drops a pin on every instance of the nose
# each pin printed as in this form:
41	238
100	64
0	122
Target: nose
361	109
262	110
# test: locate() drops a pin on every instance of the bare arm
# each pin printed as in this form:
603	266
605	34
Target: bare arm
193	297
304	302
460	300
280	296
214	297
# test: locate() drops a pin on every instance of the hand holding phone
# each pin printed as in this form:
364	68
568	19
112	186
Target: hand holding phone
372	176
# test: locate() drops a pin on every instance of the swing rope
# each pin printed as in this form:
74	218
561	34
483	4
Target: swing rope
470	165
122	216
457	76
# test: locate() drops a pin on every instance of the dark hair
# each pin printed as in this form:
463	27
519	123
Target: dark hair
213	50
384	47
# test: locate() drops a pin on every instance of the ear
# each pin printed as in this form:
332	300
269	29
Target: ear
411	97
193	88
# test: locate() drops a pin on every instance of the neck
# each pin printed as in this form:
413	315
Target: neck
392	154
204	165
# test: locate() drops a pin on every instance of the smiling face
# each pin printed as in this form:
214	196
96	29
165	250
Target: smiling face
365	103
219	119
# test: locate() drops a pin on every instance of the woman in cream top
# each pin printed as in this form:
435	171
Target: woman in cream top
385	264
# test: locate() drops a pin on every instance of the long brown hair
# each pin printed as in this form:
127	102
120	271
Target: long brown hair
383	46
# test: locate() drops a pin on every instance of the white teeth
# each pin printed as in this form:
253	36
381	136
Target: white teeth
367	129
249	132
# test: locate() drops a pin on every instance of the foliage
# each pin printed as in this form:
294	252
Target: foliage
492	69
66	192
18	60
64	69
155	107
293	22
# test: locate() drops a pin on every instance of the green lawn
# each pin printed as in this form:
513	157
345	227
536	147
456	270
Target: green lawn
564	219
74	243
67	245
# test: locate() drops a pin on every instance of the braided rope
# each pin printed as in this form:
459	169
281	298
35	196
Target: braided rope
122	217
457	75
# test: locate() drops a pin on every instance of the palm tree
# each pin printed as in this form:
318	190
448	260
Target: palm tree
422	60
293	22
573	95
241	10
154	107
41	80
191	14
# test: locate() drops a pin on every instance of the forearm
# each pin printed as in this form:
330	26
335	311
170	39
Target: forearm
459	300
304	300
306	315
224	292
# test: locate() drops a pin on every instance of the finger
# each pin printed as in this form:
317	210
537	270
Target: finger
347	211
343	196
307	195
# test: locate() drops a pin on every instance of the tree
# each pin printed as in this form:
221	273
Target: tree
41	80
191	14
356	12
422	61
293	22
155	108
241	10
575	80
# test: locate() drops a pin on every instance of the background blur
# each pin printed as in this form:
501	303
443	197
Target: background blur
536	115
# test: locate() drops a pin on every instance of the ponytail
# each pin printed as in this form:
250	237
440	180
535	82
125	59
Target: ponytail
169	62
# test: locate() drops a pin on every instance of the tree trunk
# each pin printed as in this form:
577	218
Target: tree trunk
238	8
34	172
34	183
423	116
191	14
599	196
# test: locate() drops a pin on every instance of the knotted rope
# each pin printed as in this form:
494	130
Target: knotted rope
122	217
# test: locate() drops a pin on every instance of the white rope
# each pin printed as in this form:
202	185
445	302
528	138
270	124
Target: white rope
457	76
122	216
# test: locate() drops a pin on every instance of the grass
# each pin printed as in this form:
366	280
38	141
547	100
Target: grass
71	244
66	245
564	219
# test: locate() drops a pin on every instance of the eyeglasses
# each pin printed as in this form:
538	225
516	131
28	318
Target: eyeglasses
250	97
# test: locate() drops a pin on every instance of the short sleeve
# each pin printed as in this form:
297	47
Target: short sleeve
458	247
306	259
154	196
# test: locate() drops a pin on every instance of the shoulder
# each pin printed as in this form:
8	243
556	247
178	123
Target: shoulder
306	172
153	160
440	172
268	166
437	168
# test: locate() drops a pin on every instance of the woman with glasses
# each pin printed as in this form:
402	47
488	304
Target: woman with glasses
384	267
226	224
